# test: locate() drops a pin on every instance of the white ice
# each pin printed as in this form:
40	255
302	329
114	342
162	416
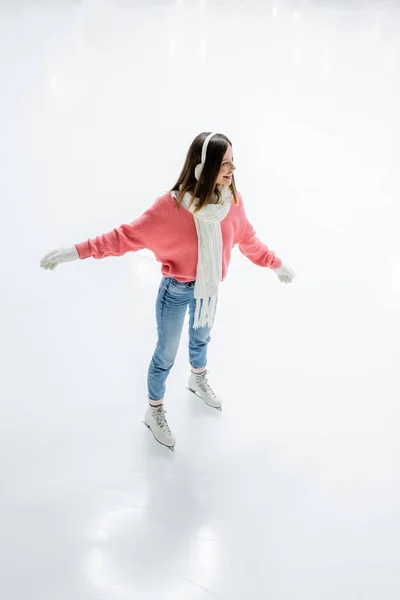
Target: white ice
293	491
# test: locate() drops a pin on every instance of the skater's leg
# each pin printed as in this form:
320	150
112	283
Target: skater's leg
172	302
199	340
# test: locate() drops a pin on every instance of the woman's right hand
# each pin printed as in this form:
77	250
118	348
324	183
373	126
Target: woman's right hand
285	273
55	257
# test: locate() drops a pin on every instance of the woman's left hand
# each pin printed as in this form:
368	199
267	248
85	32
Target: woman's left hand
285	273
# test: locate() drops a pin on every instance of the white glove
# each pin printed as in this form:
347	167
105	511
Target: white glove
54	258
285	274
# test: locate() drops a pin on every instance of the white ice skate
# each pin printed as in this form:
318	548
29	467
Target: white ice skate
155	420
198	384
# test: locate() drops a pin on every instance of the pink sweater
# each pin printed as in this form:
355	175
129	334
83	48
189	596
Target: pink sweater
170	233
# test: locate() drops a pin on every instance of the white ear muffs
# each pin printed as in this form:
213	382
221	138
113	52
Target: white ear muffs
199	168
198	171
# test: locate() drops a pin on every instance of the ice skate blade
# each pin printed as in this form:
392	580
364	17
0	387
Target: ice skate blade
170	448
198	396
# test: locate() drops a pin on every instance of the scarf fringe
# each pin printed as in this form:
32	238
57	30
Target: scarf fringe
205	312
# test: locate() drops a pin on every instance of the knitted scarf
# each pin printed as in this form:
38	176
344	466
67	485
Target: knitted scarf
209	266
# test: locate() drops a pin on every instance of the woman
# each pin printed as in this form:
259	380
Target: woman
191	230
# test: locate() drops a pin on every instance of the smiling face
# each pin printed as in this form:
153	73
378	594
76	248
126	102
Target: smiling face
227	168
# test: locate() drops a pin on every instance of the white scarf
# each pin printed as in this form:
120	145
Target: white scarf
209	266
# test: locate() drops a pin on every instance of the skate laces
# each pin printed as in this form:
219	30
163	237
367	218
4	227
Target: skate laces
204	385
159	417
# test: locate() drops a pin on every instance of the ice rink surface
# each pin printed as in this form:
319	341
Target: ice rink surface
293	491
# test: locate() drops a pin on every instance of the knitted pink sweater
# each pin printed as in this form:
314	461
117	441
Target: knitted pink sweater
170	233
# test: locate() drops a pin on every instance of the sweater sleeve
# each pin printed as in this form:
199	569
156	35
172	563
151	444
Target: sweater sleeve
126	238
253	248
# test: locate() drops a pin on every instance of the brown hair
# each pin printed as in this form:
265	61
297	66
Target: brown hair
205	189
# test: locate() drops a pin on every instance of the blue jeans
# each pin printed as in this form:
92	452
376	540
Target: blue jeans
172	302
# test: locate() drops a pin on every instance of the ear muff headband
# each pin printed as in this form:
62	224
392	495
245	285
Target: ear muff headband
199	168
